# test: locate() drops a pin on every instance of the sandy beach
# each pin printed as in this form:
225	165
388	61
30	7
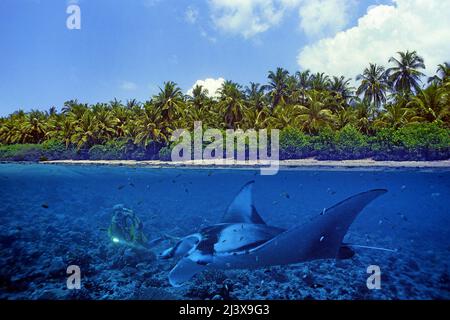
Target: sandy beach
298	163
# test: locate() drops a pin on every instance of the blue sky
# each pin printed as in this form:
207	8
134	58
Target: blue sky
126	49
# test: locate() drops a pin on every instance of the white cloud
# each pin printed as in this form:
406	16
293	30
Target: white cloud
128	86
151	3
251	17
191	15
420	25
212	85
206	35
324	17
247	17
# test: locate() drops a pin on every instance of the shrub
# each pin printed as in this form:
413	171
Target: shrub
294	144
21	152
424	141
165	153
324	144
56	150
351	144
111	150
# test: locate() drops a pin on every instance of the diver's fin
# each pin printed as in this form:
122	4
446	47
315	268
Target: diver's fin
321	238
242	208
183	271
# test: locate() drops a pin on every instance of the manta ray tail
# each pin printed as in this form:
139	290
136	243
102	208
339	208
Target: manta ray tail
371	247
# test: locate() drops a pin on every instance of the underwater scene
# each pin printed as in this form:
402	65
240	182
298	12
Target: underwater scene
116	232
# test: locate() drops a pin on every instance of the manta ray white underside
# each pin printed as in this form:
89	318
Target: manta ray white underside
243	240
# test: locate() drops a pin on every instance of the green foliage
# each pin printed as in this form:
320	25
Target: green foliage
50	150
112	150
389	116
351	144
55	150
324	142
294	144
21	152
165	153
413	142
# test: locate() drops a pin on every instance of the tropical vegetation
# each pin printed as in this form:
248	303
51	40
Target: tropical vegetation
391	113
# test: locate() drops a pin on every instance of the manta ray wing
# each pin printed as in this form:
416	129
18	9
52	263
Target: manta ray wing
321	238
242	208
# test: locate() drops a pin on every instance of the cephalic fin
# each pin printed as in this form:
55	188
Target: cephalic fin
184	270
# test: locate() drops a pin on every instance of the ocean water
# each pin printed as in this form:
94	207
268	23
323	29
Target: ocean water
53	216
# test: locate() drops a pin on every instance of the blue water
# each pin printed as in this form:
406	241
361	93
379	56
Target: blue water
52	216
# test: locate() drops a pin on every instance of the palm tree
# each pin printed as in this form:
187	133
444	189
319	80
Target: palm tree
304	82
199	98
442	73
319	81
131	104
395	116
231	103
315	115
285	116
85	133
72	106
105	122
34	127
364	114
373	85
151	127
255	96
277	86
10	131
405	76
62	130
431	105
344	116
304	79
170	100
255	119
120	117
341	87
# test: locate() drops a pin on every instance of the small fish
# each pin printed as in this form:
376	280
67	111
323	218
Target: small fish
402	216
103	229
121	187
210	173
45	205
435	194
286	195
131	184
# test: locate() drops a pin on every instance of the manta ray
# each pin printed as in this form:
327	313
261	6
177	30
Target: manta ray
243	240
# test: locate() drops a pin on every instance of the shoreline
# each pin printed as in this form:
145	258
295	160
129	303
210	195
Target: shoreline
297	163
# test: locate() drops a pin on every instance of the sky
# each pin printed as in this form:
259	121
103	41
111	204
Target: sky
127	49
